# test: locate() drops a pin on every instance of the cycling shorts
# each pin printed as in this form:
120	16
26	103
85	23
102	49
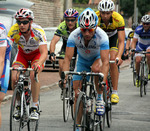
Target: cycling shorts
4	80
22	59
113	42
83	65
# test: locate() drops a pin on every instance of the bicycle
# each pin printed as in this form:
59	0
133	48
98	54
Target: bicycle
87	98
143	77
22	85
67	92
133	69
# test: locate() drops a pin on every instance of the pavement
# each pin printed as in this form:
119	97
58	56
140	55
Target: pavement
51	80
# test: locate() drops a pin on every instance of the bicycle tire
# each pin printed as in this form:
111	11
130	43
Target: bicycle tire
66	104
141	79
109	108
81	100
72	102
134	74
14	125
146	78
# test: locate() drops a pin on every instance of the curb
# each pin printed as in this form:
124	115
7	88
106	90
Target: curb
8	97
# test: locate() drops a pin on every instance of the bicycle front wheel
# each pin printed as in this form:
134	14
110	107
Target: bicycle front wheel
141	79
14	124
80	113
134	74
66	104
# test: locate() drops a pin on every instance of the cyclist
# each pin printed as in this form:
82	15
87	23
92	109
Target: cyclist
32	46
64	30
113	24
142	38
129	39
93	47
5	48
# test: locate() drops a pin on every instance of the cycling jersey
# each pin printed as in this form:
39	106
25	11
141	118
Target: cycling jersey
28	51
87	55
142	36
37	38
63	31
116	23
4	42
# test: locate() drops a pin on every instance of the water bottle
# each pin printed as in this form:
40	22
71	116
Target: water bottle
89	103
27	95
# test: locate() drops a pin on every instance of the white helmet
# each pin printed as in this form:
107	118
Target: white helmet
145	19
24	13
106	5
88	19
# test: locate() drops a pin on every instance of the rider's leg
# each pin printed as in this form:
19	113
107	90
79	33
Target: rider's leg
60	66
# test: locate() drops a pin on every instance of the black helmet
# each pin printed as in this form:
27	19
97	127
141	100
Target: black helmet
134	25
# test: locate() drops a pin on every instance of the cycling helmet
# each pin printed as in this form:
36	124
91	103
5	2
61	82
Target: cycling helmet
145	19
106	5
134	25
71	13
24	13
88	19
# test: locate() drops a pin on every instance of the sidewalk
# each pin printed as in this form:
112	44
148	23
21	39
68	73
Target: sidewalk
52	83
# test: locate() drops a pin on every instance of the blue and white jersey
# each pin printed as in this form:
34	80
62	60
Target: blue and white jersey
99	42
5	42
142	36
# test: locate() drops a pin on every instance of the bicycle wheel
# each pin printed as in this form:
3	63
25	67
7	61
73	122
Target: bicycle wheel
146	78
134	74
98	124
80	113
141	79
72	102
14	125
108	107
66	104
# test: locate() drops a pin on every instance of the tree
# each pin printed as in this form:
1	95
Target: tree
127	6
81	1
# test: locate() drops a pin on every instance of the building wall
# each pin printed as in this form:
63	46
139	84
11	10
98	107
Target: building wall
48	12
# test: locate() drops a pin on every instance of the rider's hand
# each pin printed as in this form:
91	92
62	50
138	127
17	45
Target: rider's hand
52	57
36	67
118	61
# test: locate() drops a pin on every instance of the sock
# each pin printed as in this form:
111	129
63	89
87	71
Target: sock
115	92
35	104
99	97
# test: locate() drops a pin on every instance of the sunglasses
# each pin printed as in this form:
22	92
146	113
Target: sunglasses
22	22
89	30
72	20
146	23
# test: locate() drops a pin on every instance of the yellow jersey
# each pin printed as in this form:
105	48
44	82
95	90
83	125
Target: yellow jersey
36	39
116	23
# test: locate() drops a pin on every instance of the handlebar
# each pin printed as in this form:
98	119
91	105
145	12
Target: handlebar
141	52
20	69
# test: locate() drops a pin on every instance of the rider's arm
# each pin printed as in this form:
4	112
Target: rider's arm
2	58
68	56
53	43
121	38
133	43
128	46
105	63
43	52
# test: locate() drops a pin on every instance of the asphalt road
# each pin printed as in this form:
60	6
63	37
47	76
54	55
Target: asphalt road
131	114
